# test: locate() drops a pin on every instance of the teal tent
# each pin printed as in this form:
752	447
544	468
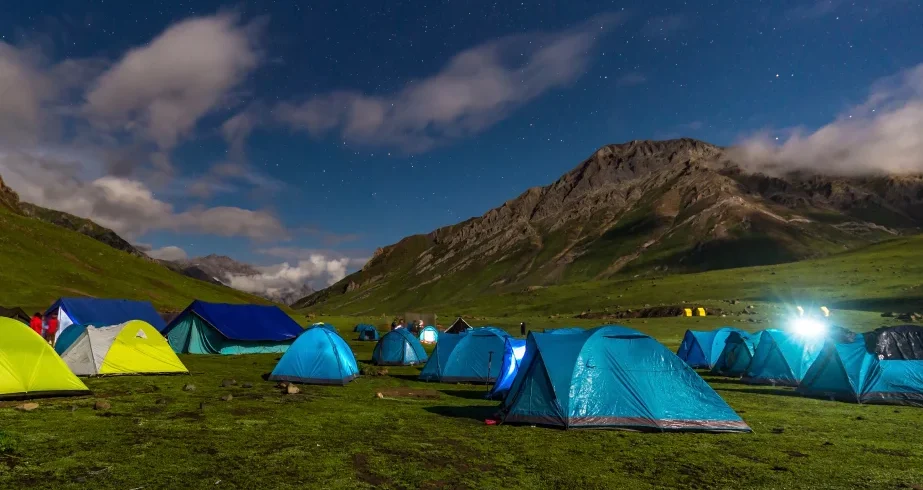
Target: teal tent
737	353
612	377
859	372
700	349
471	357
782	358
366	332
398	347
318	356
216	328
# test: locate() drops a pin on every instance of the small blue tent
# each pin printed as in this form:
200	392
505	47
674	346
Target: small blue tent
474	356
700	349
737	353
367	332
782	358
103	312
217	328
398	347
850	372
318	356
429	335
612	377
513	352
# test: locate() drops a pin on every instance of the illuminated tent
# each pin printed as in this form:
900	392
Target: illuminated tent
134	347
612	377
782	358
429	335
700	349
737	353
30	368
869	370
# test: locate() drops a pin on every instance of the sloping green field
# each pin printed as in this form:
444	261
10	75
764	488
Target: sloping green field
429	435
40	262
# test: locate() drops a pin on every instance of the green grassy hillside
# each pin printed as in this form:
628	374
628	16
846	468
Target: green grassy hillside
882	277
40	262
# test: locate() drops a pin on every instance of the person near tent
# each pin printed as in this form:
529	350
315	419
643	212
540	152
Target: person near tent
36	323
52	329
522	328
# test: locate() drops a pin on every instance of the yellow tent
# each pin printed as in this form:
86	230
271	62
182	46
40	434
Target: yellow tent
29	367
134	347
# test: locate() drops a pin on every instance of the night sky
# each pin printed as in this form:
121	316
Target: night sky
344	126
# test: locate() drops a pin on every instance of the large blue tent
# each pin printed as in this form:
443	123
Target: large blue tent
513	352
612	377
700	349
367	332
782	358
318	356
218	328
398	347
850	372
471	357
737	353
103	312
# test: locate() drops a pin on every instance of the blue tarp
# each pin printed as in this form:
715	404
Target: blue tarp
474	356
700	349
399	348
849	372
366	332
251	323
318	356
782	358
107	312
513	352
612	377
737	353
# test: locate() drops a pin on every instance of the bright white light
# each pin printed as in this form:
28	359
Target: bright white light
808	327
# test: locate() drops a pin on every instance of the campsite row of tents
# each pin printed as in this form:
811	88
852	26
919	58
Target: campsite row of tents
882	366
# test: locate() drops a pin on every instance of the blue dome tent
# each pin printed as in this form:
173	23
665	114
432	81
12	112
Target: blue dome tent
513	352
700	349
218	328
782	358
398	348
612	377
429	335
318	356
737	353
366	332
858	372
474	356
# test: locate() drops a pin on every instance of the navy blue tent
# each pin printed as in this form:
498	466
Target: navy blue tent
366	332
218	328
474	356
700	349
612	377
103	312
399	347
319	356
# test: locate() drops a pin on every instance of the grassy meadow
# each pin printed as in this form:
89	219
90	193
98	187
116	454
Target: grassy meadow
429	435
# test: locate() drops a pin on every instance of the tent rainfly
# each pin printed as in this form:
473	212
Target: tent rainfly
398	348
218	328
30	368
472	357
134	347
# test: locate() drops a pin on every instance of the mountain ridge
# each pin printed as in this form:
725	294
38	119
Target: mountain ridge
637	207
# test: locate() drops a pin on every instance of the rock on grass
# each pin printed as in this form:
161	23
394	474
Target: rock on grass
102	405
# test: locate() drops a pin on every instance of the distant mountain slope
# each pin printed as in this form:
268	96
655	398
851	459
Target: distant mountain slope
40	261
635	208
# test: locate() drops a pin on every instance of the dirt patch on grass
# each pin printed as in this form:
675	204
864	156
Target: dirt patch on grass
418	393
364	471
189	415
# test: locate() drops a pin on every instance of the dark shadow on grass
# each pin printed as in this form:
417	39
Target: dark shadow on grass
767	391
900	305
476	412
468	394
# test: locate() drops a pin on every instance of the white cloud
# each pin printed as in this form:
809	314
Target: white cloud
290	281
126	206
477	88
167	253
883	135
163	88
